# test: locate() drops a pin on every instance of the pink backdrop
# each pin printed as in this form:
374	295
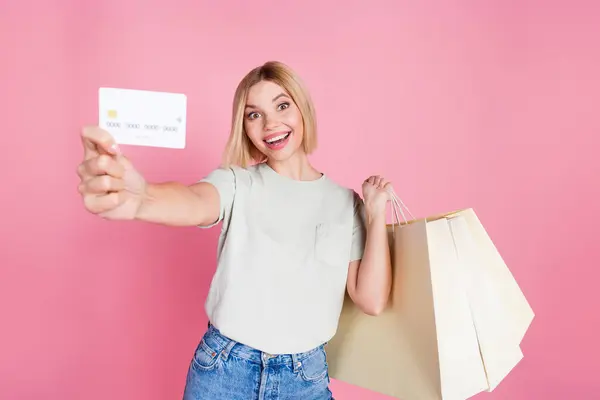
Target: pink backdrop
459	103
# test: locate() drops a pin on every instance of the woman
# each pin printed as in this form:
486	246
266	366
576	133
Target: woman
292	242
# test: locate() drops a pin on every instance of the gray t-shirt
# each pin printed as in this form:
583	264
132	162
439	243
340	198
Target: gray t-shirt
282	257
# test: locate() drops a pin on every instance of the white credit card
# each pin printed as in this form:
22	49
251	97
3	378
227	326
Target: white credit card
143	118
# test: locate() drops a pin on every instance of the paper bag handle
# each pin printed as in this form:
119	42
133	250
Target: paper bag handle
397	209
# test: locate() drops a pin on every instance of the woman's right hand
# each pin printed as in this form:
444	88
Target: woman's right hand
110	186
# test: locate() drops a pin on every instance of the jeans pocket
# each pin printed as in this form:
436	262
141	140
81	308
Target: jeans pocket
314	366
205	357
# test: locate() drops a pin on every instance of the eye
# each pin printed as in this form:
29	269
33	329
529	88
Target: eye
283	106
253	115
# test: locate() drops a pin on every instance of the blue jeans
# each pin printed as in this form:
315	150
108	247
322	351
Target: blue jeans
223	369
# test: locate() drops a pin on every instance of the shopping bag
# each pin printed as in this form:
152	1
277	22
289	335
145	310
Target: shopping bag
455	318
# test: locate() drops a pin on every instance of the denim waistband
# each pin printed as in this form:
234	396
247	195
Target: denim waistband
221	344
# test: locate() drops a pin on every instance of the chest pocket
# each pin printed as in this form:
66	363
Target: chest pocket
332	244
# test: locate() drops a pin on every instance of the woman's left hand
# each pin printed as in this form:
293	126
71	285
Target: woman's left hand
376	194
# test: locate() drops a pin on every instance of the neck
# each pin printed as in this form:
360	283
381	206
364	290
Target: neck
296	167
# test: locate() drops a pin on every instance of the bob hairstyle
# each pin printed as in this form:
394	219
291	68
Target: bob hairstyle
240	151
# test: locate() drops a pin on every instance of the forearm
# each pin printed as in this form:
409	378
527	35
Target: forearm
172	203
375	272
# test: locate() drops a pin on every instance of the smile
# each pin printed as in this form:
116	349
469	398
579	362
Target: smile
277	139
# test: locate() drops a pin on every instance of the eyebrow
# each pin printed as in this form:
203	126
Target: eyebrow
274	100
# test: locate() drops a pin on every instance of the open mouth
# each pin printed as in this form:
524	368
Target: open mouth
277	141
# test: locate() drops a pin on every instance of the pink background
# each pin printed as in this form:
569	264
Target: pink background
460	103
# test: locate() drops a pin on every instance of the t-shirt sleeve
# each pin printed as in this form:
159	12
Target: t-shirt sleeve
359	230
223	179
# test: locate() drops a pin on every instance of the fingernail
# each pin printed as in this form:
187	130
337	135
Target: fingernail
115	148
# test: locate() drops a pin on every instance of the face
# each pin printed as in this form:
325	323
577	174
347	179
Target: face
273	122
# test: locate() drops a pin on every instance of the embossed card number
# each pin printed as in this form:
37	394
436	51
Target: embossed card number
143	118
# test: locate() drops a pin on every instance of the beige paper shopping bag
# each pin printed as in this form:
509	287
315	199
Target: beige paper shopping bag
501	314
454	322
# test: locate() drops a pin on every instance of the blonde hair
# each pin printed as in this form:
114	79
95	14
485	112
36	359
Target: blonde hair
240	151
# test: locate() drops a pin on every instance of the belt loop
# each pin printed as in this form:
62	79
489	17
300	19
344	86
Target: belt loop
296	362
227	349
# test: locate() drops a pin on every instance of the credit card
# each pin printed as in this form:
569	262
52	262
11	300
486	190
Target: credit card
143	117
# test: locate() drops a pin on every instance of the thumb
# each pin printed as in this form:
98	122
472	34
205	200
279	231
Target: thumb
98	141
124	161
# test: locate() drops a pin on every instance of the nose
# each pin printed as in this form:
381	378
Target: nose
270	122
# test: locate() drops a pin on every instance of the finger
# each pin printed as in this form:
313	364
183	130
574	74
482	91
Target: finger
378	181
382	183
101	185
97	141
97	204
389	189
81	171
371	180
375	180
103	165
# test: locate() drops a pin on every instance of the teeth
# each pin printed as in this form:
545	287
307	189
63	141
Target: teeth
276	138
